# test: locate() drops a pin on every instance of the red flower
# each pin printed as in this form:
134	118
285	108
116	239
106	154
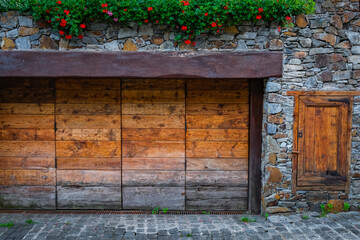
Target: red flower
288	18
68	36
279	29
186	3
105	10
206	14
258	17
63	23
261	10
47	11
146	20
66	12
157	21
104	5
58	2
218	31
49	21
184	28
183	11
193	43
150	8
213	24
61	32
82	26
80	36
187	41
226	8
125	9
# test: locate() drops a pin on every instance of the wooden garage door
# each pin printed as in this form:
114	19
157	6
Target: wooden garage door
125	144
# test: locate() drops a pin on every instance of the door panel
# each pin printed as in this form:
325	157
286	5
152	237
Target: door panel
322	141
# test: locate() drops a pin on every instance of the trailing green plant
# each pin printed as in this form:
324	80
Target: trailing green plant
266	216
305	217
246	219
346	207
205	212
7	224
155	210
165	210
325	209
14	5
30	221
188	18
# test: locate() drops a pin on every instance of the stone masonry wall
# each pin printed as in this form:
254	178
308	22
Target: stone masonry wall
321	52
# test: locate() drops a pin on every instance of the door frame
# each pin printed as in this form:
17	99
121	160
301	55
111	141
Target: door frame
255	66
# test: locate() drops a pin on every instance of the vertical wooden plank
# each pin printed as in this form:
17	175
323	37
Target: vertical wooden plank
153	132
348	136
255	142
295	153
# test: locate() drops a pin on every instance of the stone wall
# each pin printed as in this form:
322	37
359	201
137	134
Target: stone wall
321	52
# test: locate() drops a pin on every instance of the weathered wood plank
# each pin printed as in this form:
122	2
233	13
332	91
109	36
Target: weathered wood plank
26	96
217	178
153	163
153	121
87	96
89	163
219	122
143	178
88	83
26	162
28	197
88	149
215	84
152	84
239	135
216	149
205	193
87	134
26	108
153	96
217	109
23	83
239	204
88	109
89	198
87	122
27	121
143	149
88	178
255	143
153	108
27	149
153	134
148	198
239	164
129	64
44	177
217	97
27	135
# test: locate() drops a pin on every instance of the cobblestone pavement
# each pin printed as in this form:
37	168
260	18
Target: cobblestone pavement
126	226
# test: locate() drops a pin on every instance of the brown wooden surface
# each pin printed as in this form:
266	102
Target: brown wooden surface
27	144
148	198
27	197
322	142
89	197
322	93
255	142
217	122
88	143
153	125
126	64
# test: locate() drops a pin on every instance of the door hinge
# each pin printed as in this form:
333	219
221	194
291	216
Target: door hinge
300	134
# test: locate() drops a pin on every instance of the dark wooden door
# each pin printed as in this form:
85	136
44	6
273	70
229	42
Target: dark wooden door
323	132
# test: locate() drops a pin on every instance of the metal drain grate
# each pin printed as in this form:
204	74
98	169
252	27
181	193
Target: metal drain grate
119	212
